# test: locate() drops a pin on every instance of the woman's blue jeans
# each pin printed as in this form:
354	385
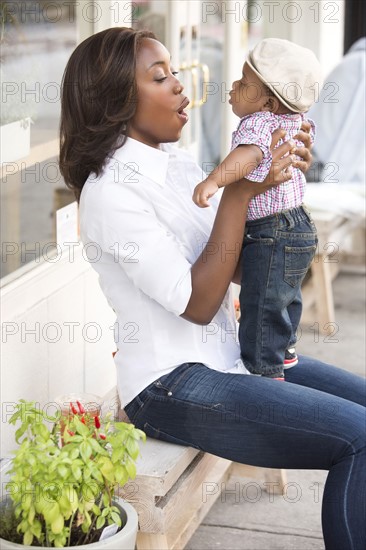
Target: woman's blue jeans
314	420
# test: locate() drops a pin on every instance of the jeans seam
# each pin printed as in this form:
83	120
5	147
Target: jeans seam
264	300
164	433
259	422
344	501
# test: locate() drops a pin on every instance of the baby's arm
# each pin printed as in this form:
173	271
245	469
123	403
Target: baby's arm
236	166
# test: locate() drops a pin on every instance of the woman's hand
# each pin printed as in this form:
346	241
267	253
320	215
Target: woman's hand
303	152
283	159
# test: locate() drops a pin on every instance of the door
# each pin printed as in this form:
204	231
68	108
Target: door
178	26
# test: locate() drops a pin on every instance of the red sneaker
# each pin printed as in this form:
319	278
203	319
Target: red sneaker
291	358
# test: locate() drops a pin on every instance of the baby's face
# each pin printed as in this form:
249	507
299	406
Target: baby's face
248	95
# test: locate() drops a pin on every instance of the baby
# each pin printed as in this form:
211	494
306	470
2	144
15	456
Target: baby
280	81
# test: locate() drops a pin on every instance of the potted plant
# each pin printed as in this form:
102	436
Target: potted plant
64	478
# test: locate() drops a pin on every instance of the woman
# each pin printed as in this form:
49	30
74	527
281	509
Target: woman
165	267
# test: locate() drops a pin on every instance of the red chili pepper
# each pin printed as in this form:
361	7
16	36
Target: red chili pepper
70	432
82	419
73	409
81	408
102	436
97	422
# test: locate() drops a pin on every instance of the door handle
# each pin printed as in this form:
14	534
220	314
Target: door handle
194	68
205	80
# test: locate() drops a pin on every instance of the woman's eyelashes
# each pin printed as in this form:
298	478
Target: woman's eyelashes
161	79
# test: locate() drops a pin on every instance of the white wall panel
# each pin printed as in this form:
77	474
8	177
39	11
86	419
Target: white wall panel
99	369
39	360
24	367
65	321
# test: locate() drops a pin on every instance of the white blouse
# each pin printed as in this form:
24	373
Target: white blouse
142	233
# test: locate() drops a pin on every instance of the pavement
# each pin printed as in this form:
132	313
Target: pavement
245	516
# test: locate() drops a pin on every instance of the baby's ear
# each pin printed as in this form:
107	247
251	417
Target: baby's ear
271	104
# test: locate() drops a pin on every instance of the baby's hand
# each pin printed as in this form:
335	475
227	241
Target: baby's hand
204	191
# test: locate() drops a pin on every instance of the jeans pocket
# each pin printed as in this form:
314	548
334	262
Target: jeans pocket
297	263
257	239
137	406
165	386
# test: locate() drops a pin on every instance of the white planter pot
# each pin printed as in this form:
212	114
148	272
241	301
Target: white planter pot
123	540
15	140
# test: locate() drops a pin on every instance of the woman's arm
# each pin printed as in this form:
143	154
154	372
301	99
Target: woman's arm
213	271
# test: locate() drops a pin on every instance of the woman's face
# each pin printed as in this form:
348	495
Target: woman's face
159	116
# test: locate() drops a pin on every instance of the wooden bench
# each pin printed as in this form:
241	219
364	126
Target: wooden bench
176	486
333	230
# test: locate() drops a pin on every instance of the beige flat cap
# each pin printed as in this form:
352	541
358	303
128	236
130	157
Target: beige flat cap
292	72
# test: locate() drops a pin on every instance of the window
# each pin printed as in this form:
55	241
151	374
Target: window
37	38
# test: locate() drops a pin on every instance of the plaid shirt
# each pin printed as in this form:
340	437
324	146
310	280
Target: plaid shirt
257	130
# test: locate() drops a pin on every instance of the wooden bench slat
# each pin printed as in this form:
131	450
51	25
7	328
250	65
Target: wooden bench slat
161	463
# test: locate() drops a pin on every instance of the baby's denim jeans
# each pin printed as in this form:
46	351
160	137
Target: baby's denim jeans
276	255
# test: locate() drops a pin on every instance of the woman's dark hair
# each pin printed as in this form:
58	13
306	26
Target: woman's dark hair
98	98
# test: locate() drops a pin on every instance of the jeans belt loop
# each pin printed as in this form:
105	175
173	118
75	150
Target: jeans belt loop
307	213
289	219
